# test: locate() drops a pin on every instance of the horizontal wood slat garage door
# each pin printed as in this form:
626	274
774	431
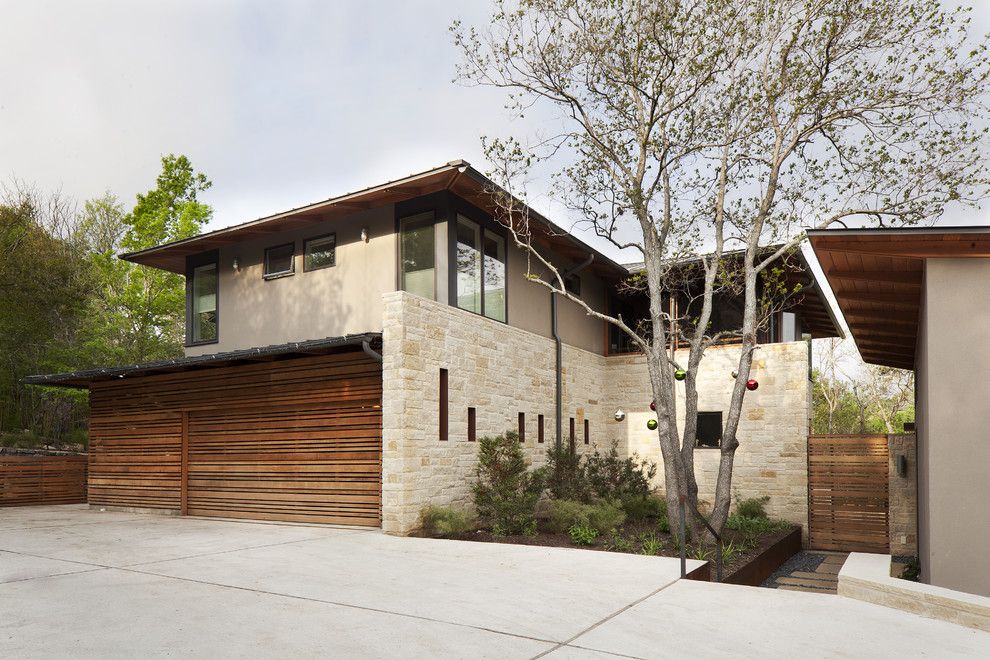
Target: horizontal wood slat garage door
848	493
33	480
295	440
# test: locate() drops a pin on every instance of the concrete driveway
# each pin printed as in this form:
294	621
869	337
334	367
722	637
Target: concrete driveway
83	583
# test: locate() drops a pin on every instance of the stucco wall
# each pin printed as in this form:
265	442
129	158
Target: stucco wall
953	370
495	368
772	458
501	371
342	299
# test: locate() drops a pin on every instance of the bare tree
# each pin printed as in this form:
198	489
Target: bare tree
714	126
883	393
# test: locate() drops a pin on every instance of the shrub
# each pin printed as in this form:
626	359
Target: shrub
639	508
754	507
565	475
565	514
912	571
506	492
753	528
602	517
612	478
700	552
446	522
731	551
582	534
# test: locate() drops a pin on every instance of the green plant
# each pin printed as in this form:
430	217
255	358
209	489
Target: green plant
647	507
731	551
506	492
754	507
650	544
613	478
564	514
753	528
606	515
700	552
582	534
616	542
565	475
446	522
912	571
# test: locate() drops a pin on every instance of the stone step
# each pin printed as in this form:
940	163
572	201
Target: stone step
816	577
830	569
790	587
810	584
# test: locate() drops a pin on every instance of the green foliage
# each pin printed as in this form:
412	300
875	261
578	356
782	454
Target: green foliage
754	507
446	522
565	475
701	553
602	516
640	508
616	542
506	491
582	534
731	551
614	478
912	571
650	544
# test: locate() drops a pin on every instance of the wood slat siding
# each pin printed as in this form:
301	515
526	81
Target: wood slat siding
33	480
295	440
848	493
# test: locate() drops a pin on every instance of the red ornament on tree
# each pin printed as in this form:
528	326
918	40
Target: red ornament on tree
653	405
751	384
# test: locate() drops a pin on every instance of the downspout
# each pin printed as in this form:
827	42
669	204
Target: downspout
558	393
370	352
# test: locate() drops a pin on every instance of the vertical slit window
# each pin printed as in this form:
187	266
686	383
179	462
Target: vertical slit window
539	428
417	255
204	303
472	425
444	399
522	427
587	432
572	433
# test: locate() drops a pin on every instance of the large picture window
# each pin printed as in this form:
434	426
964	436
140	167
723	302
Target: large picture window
480	281
203	326
417	254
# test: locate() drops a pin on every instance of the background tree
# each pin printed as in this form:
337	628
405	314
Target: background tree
700	127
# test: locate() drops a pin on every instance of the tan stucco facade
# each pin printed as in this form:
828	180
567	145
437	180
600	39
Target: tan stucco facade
953	362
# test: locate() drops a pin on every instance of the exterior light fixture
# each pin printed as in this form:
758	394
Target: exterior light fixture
620	415
237	264
364	234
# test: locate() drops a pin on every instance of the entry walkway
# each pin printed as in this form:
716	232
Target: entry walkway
810	570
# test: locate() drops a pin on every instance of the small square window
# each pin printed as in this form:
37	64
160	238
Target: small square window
320	252
280	261
709	431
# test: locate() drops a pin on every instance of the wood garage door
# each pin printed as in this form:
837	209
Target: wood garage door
296	440
300	463
848	493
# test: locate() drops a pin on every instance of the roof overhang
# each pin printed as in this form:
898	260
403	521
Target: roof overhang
876	276
456	176
79	379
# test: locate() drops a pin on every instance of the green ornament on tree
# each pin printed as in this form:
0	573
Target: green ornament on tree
680	374
651	424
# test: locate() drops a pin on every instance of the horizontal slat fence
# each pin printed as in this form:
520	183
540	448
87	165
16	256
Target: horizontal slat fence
39	479
296	440
848	505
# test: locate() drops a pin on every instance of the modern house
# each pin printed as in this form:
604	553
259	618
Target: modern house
917	299
343	357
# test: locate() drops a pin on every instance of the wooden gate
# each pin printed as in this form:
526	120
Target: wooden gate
848	493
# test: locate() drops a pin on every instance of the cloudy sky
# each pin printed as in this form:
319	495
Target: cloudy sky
279	103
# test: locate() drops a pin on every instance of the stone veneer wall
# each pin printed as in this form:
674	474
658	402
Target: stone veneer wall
495	368
772	458
501	371
903	495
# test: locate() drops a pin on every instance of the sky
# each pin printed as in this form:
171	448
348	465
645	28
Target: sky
279	103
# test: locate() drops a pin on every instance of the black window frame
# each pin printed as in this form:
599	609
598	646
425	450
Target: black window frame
280	274
194	262
307	241
572	284
697	433
485	222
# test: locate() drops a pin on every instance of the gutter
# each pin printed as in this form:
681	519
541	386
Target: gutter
558	390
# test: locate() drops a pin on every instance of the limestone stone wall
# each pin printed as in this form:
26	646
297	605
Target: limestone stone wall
903	496
772	458
495	368
502	371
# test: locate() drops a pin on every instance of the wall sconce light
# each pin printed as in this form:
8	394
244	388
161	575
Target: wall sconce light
364	234
237	264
